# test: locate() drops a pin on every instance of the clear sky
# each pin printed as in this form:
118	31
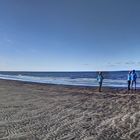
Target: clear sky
69	35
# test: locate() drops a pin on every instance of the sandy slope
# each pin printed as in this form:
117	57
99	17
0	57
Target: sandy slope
50	112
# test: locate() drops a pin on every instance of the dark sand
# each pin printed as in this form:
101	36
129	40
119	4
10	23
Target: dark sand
30	111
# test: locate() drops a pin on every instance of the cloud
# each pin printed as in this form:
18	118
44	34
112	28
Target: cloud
86	64
130	63
113	64
123	64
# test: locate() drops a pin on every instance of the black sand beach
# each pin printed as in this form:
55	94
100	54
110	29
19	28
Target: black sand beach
55	112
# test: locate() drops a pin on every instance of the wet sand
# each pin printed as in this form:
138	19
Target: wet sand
31	111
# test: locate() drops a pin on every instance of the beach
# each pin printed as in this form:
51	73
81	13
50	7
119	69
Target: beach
32	111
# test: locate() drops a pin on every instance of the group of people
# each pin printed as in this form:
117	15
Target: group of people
131	79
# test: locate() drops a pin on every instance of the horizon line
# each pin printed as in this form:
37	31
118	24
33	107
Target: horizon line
66	71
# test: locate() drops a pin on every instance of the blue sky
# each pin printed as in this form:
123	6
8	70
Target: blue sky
69	35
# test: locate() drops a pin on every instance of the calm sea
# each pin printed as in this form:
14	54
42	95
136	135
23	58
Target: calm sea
113	79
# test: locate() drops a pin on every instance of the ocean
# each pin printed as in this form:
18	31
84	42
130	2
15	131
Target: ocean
111	78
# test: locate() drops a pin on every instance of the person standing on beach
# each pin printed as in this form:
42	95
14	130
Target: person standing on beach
129	79
133	79
100	80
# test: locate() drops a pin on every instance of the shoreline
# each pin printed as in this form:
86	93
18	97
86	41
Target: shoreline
63	85
117	79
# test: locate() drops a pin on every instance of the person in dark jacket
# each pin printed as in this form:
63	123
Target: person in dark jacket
129	79
100	80
133	79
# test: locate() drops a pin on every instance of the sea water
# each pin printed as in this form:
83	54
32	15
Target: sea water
111	78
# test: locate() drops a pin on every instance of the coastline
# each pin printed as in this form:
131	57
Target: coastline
63	85
112	79
31	110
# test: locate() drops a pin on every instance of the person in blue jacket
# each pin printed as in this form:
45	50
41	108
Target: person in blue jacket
100	80
133	79
129	79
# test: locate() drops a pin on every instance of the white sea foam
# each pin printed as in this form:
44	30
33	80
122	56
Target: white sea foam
67	80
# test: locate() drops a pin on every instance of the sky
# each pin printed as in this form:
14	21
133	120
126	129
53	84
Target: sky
69	35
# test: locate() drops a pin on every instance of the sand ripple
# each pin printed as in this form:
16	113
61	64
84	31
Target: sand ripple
43	112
